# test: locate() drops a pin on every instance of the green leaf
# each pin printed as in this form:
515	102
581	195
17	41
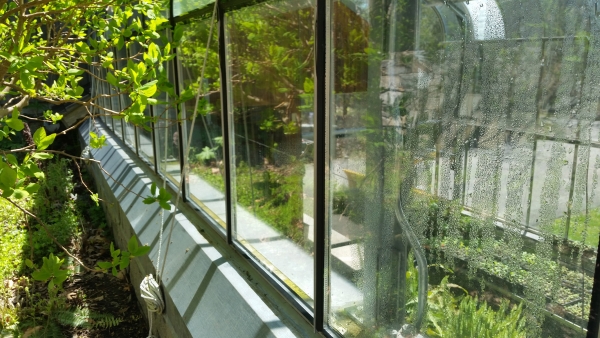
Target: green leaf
164	205
97	142
148	89
27	80
104	265
112	79
141	251
178	34
8	176
39	135
132	244
149	200
124	263
32	188
42	156
41	275
95	198
20	194
153	189
14	121
29	263
75	71
10	158
41	140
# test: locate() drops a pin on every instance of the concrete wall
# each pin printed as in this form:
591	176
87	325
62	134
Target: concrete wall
204	291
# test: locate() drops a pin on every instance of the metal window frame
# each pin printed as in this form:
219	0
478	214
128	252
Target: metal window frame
322	72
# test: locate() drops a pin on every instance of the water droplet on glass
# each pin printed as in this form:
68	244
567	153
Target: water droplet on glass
481	5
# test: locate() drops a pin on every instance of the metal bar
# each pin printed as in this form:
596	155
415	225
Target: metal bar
320	152
531	177
180	124
594	318
571	190
227	159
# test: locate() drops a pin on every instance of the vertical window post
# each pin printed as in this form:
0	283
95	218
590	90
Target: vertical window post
225	125
320	151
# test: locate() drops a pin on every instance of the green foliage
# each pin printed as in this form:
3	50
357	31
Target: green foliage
97	142
162	198
273	195
475	318
206	155
453	313
50	272
83	317
121	258
54	204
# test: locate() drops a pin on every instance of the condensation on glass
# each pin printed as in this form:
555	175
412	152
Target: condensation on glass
464	161
270	65
205	183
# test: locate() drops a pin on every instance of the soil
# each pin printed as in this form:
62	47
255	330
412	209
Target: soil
101	293
104	293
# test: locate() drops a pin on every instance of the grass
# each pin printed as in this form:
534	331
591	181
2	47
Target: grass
273	194
13	243
578	229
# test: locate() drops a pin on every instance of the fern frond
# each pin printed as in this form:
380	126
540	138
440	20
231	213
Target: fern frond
105	321
77	317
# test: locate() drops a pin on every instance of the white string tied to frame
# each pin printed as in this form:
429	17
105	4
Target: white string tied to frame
150	287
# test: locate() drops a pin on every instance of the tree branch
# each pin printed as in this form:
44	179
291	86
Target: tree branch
22	104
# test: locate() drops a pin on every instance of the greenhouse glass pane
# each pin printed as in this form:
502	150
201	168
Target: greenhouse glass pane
464	163
206	183
166	131
271	63
181	7
144	132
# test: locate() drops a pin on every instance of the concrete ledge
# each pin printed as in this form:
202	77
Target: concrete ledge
205	295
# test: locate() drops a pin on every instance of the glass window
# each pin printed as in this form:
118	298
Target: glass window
166	131
144	131
270	64
463	168
181	7
128	129
206	171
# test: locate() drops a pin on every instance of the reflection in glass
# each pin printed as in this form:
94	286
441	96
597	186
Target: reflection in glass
464	165
144	132
167	136
270	60
205	184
